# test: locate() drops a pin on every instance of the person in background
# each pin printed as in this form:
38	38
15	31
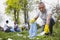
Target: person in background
8	28
16	28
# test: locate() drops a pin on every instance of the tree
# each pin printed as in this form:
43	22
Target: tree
14	6
25	9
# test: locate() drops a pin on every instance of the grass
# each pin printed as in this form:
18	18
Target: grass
24	35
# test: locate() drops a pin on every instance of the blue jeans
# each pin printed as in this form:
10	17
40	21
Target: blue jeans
12	30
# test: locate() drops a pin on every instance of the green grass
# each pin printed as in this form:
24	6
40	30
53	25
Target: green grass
24	35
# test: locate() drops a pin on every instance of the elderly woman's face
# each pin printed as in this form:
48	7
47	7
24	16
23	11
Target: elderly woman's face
41	7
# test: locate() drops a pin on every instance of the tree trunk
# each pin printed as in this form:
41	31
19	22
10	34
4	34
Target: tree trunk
14	15
27	19
25	16
18	17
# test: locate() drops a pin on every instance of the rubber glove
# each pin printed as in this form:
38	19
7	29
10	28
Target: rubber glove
32	21
46	29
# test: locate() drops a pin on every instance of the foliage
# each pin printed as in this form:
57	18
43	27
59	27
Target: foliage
14	7
14	36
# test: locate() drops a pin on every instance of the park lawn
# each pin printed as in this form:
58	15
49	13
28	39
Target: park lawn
24	35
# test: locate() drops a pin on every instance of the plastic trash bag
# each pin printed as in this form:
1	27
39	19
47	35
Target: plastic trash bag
33	30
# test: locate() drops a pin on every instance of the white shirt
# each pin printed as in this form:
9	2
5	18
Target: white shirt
5	26
42	17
